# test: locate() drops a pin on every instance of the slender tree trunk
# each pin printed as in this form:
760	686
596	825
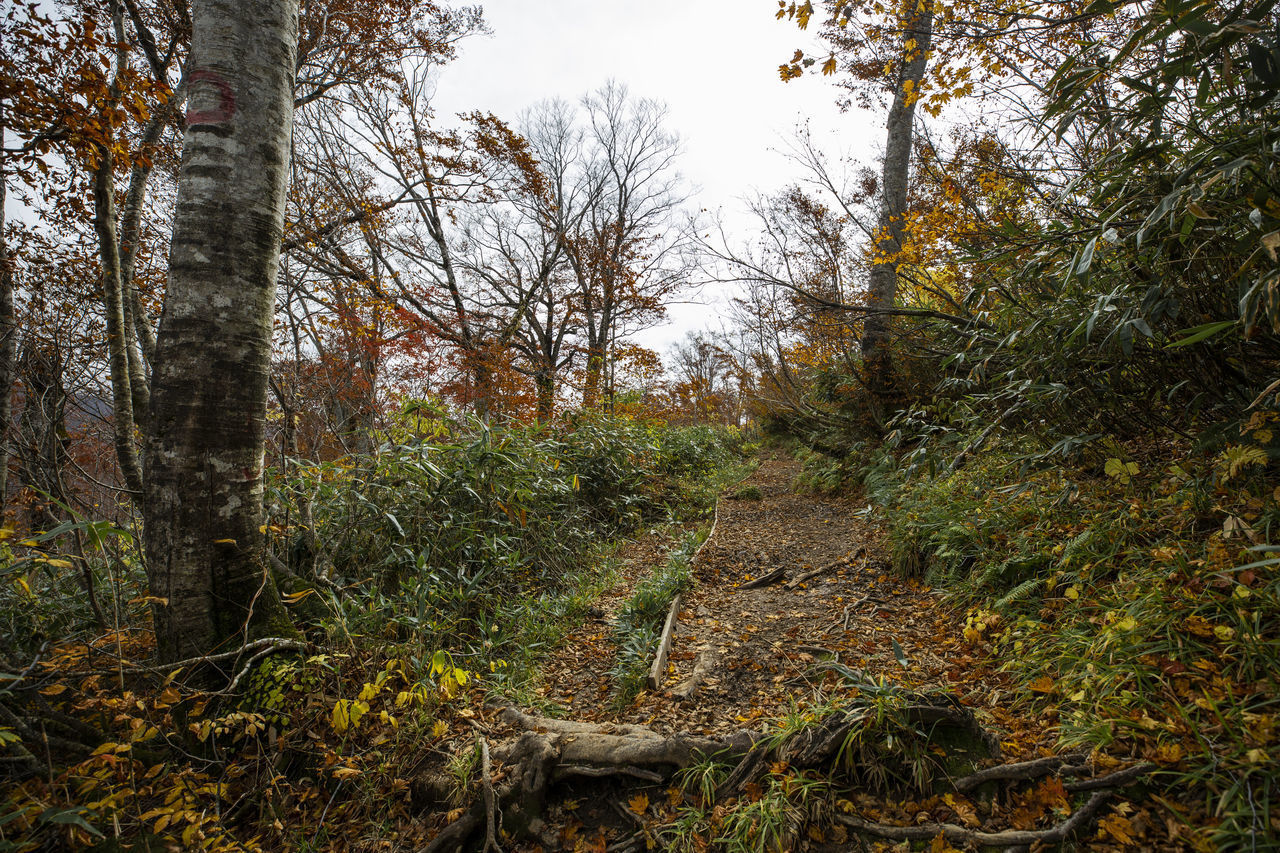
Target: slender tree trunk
122	395
8	332
595	373
205	547
883	281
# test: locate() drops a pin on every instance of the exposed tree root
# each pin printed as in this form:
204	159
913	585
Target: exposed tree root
549	750
1022	771
960	835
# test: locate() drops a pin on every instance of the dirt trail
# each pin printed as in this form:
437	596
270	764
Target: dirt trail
769	644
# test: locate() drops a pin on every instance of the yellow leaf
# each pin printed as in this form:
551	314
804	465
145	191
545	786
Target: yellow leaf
1118	827
341	716
1043	684
639	803
53	689
440	729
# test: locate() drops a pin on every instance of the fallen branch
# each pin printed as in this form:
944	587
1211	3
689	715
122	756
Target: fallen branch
715	522
848	610
657	672
764	580
846	560
619	746
959	835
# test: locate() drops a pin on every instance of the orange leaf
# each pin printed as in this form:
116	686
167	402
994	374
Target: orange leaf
639	803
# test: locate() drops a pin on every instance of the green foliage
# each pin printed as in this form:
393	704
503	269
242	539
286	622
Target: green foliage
638	624
476	536
45	578
1139	602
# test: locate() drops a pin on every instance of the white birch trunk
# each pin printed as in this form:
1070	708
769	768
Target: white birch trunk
205	454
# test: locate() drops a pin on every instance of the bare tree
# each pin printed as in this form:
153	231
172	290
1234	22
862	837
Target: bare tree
628	254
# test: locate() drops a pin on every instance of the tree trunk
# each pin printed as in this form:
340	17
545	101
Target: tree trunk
204	483
595	374
546	388
42	431
8	333
118	340
883	281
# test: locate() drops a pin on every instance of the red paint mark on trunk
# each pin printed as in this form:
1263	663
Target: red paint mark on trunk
226	100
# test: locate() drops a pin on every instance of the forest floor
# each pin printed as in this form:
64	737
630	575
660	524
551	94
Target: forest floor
767	652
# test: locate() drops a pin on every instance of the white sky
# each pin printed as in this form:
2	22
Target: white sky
713	62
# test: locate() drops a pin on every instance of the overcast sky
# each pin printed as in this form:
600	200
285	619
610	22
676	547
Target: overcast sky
713	62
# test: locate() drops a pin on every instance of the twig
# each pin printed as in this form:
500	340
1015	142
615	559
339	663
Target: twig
959	835
277	644
244	670
848	610
15	680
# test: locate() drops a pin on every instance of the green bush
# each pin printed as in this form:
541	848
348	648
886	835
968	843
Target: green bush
468	535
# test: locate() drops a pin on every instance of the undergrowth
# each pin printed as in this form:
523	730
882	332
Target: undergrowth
440	567
638	624
1131	587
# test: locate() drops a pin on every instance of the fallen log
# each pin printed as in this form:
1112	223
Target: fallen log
624	746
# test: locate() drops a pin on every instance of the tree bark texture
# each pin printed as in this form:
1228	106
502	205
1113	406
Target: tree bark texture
205	557
883	281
